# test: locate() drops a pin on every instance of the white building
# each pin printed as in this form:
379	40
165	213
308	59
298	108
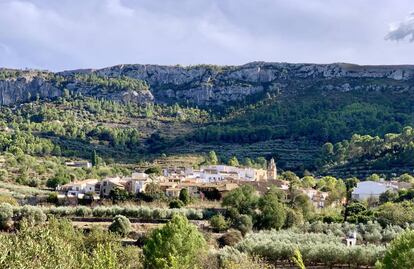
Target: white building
367	189
317	197
79	164
80	188
108	184
137	182
215	173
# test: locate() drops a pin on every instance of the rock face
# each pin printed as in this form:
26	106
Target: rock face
26	88
216	85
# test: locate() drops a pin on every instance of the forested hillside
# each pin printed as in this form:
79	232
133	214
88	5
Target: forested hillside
365	154
132	113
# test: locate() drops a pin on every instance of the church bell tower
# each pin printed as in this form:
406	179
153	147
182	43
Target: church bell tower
272	170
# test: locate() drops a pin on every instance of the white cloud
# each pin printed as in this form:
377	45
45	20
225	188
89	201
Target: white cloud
402	30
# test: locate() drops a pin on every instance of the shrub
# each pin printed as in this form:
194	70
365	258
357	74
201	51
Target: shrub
6	215
230	238
145	212
194	214
315	248
153	170
159	213
176	204
34	182
83	211
53	198
218	223
244	224
58	244
100	211
32	214
231	258
293	218
185	196
8	199
120	225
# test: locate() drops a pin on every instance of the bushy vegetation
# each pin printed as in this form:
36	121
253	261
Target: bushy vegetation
120	225
371	232
177	245
379	153
400	253
333	118
316	248
146	213
273	210
218	223
104	84
59	245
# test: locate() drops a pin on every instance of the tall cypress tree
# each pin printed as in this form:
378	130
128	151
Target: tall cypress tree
94	158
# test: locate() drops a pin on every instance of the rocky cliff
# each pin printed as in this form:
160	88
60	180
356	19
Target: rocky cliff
209	85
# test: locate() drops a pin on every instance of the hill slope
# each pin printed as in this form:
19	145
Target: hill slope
129	112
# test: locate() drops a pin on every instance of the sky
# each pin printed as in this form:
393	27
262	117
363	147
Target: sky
70	34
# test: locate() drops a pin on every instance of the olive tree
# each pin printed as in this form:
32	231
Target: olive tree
120	225
6	215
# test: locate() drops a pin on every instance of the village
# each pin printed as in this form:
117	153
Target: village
211	182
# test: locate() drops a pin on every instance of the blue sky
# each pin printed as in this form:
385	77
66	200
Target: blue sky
70	34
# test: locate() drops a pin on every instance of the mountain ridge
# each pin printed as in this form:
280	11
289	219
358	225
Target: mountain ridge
209	85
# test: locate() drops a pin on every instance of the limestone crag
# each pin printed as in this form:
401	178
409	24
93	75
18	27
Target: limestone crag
24	89
212	85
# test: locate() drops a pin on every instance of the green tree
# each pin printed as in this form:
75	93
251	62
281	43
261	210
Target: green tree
184	196
350	184
219	223
388	196
176	204
119	195
293	218
58	244
327	149
243	223
289	176
60	178
177	245
374	177
212	158
308	182
120	225
261	162
244	199
153	170
153	192
272	212
248	162
406	178
400	253
94	158
233	161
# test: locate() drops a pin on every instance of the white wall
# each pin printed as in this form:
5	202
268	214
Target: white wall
367	189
